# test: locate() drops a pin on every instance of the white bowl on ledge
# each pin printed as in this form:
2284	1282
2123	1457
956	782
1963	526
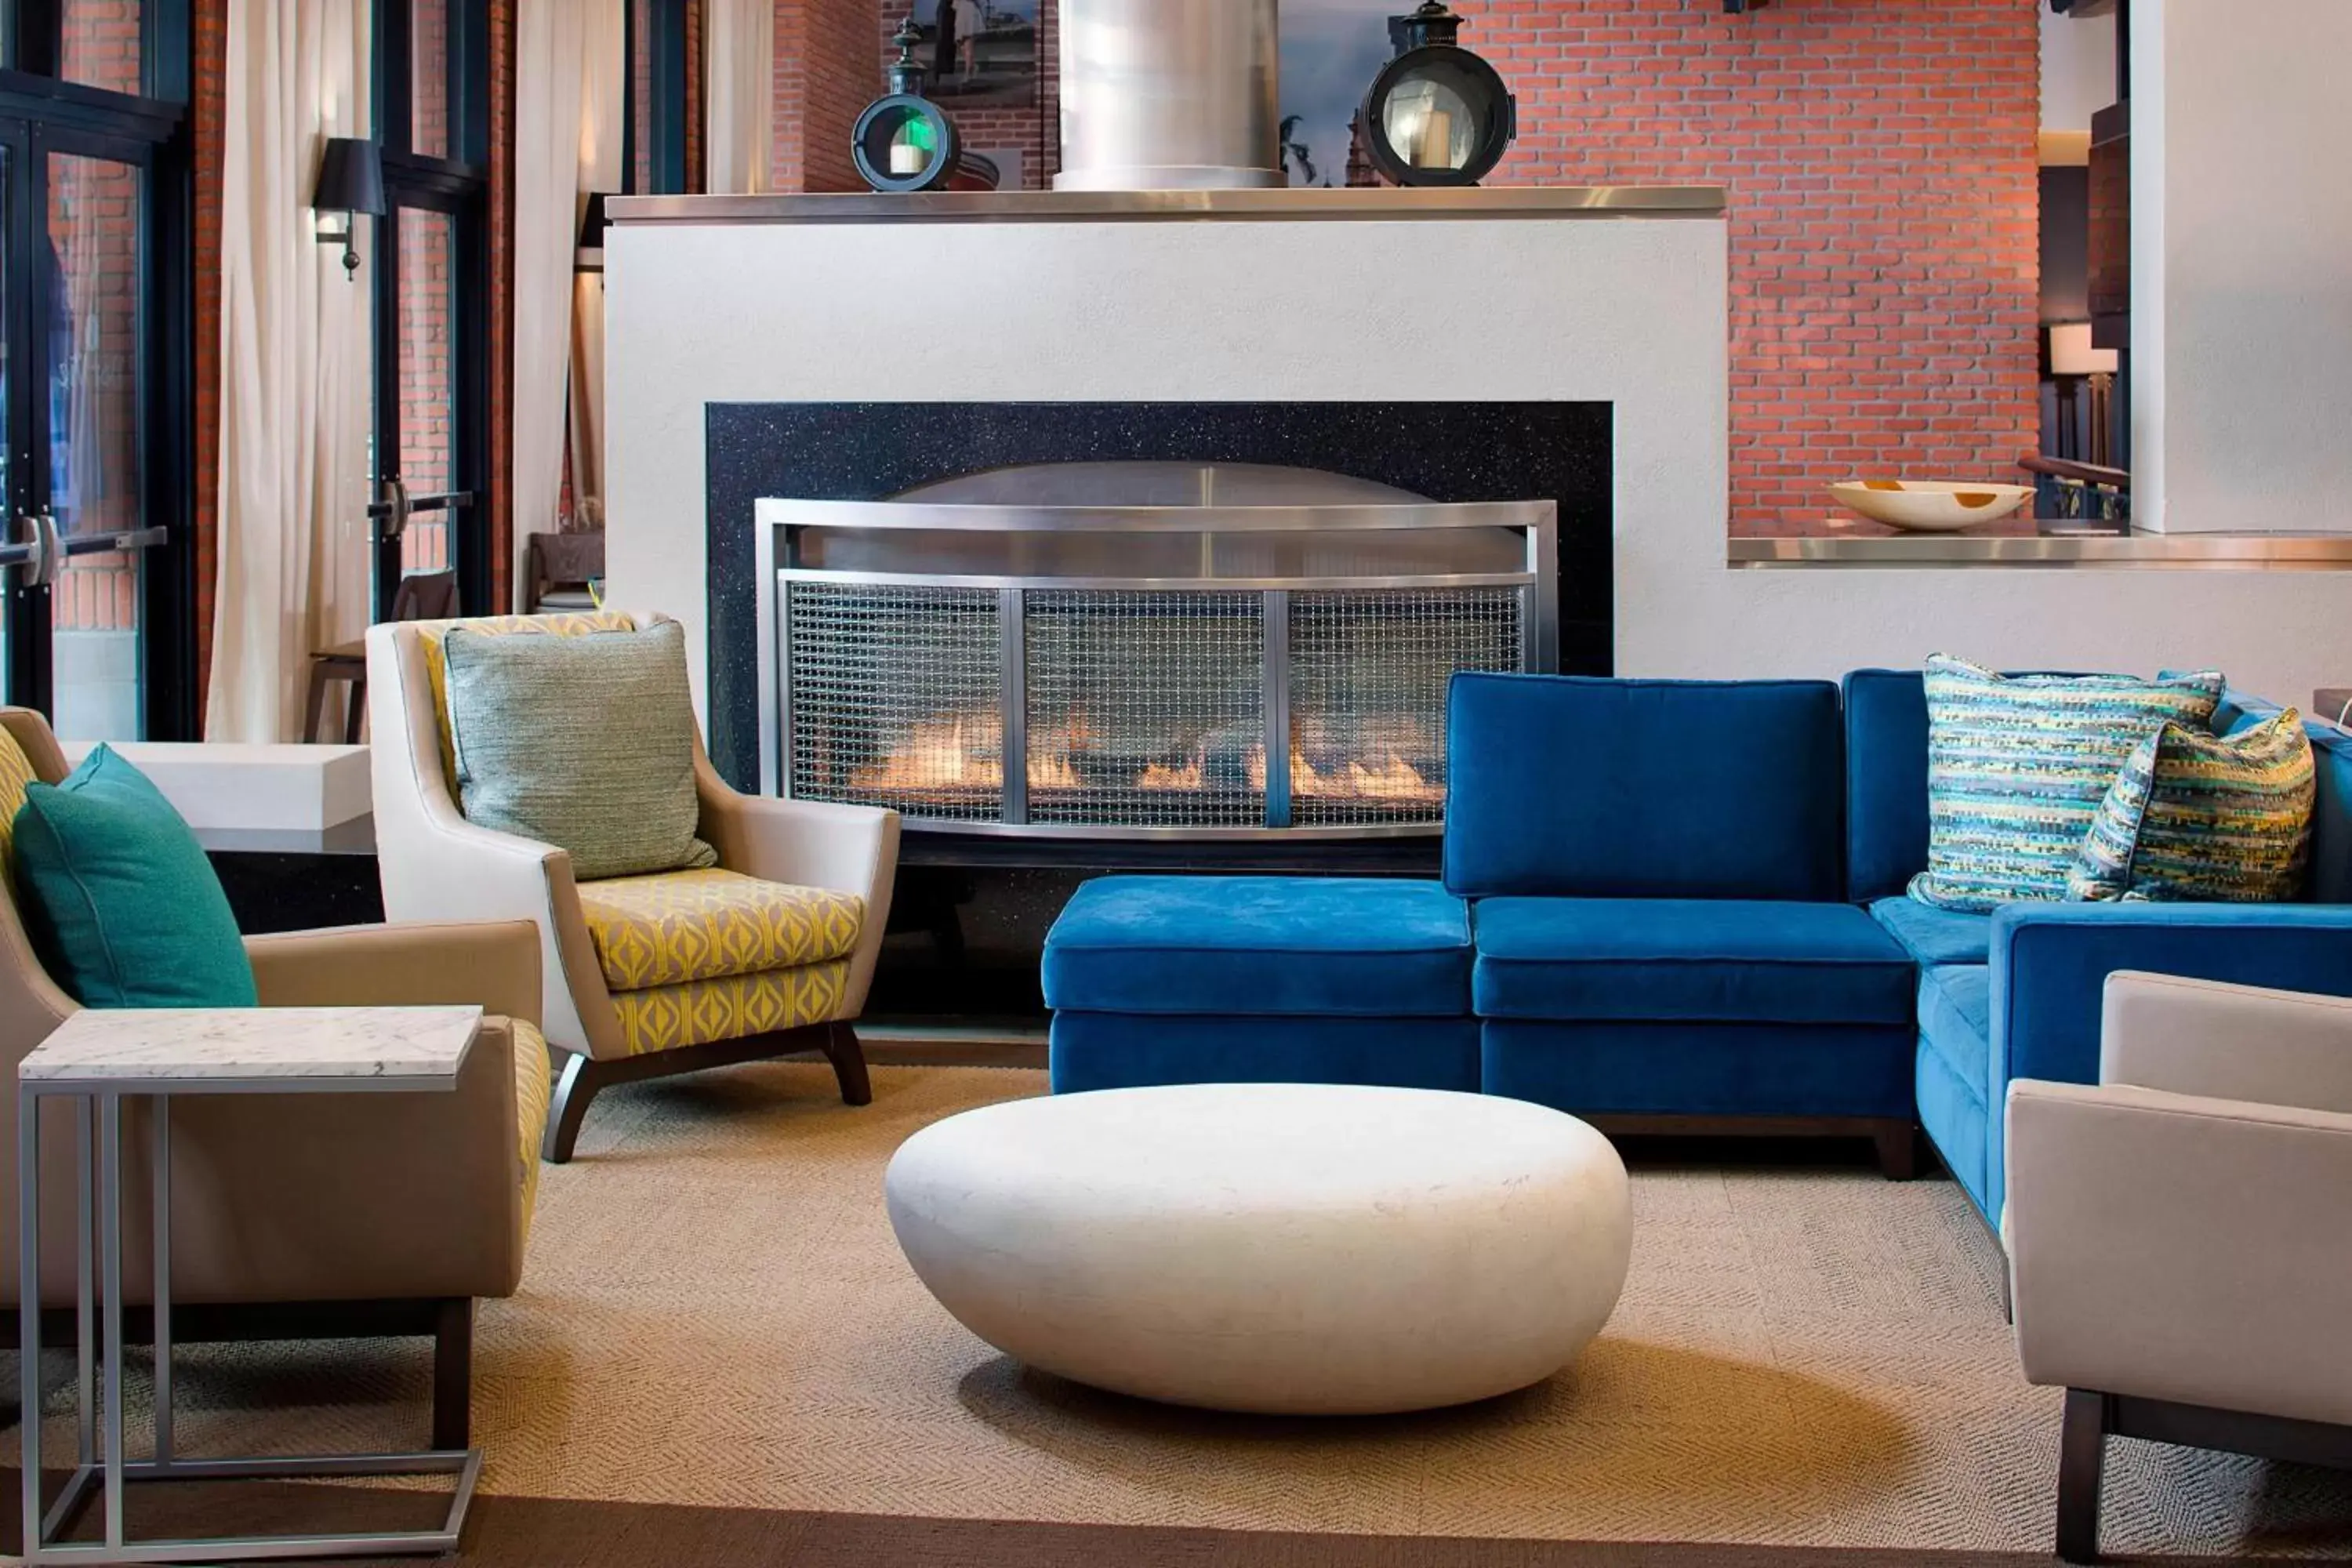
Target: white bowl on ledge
1926	506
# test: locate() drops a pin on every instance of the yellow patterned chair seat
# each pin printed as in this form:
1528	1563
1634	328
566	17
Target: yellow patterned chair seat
675	928
700	1011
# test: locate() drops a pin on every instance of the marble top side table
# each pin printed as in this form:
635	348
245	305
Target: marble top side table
99	1060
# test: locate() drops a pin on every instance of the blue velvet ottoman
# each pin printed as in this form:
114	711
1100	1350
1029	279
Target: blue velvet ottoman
1157	980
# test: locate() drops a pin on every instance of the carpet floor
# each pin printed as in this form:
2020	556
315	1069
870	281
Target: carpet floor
718	1342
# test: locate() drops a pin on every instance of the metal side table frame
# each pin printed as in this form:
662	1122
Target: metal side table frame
100	1462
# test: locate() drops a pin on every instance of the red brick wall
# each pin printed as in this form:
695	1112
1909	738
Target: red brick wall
1036	129
99	43
824	79
1880	156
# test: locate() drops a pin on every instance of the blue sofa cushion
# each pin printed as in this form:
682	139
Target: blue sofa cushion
1261	945
1886	781
1935	936
1567	787
1955	1022
1633	1068
1134	1050
1690	959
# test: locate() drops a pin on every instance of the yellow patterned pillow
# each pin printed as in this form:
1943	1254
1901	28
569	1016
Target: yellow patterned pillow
15	774
436	663
678	927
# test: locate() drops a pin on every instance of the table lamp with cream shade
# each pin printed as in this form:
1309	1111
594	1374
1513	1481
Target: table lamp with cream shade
2075	361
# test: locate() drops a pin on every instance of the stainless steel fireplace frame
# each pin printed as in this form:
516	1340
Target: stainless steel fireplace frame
784	528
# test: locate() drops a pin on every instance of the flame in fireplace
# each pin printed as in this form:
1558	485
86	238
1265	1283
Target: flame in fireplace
957	755
1194	774
963	756
1391	777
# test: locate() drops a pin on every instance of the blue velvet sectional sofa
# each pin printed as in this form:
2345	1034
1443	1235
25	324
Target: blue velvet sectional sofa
1666	905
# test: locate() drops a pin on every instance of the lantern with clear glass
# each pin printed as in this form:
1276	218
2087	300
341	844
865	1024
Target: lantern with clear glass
1437	114
904	142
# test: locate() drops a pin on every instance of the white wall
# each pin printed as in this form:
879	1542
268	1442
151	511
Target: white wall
1630	310
2078	68
2241	265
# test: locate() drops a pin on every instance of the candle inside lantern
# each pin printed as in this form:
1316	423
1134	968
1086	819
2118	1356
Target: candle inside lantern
1435	149
908	155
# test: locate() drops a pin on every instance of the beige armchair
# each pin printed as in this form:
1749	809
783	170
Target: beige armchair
313	1215
2180	1233
769	954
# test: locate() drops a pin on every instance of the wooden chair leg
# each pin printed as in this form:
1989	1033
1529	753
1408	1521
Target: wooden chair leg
848	1059
316	703
453	1375
575	1085
355	711
2081	1452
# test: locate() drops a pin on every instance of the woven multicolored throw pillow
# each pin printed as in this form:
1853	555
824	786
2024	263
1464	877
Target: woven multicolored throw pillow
2198	815
2018	767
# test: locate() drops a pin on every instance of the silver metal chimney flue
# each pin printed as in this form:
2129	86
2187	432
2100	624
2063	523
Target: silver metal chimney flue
1170	95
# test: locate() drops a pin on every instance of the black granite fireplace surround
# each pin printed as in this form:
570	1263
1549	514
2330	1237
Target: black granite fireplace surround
836	451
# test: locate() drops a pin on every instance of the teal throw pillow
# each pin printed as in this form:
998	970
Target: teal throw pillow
584	742
120	903
2018	767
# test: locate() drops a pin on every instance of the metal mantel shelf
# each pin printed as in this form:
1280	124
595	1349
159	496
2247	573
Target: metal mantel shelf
2111	551
1146	206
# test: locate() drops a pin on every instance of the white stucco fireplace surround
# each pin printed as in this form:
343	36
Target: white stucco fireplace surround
1615	295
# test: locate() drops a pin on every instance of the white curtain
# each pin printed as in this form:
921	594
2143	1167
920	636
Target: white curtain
740	76
604	67
556	55
294	553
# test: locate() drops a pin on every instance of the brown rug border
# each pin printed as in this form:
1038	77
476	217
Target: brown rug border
507	1532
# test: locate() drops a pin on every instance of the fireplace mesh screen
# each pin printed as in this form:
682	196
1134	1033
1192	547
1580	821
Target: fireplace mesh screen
1146	708
897	698
1369	678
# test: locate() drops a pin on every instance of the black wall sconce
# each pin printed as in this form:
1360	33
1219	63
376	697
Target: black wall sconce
1740	7
1437	114
906	143
351	181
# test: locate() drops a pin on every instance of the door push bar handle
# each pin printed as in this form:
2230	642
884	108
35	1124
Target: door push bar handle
393	511
47	548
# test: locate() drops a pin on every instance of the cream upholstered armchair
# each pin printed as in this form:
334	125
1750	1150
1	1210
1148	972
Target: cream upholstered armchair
312	1215
2180	1233
769	953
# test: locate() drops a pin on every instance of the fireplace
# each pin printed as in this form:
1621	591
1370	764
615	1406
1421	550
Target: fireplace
1140	649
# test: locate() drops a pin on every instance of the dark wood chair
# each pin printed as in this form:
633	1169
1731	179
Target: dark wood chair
559	567
422	597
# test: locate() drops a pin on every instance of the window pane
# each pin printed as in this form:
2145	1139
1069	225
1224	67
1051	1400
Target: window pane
428	382
429	66
99	43
93	342
92	330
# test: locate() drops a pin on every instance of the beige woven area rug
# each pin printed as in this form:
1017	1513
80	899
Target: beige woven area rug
714	1314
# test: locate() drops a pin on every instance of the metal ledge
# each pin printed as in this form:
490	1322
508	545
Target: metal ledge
2111	551
1145	206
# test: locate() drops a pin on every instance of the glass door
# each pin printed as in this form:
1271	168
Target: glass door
77	251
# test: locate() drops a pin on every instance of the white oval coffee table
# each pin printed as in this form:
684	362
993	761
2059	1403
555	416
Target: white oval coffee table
1294	1248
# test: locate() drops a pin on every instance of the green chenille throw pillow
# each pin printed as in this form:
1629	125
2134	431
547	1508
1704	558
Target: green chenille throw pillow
585	743
2196	816
2018	767
120	903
